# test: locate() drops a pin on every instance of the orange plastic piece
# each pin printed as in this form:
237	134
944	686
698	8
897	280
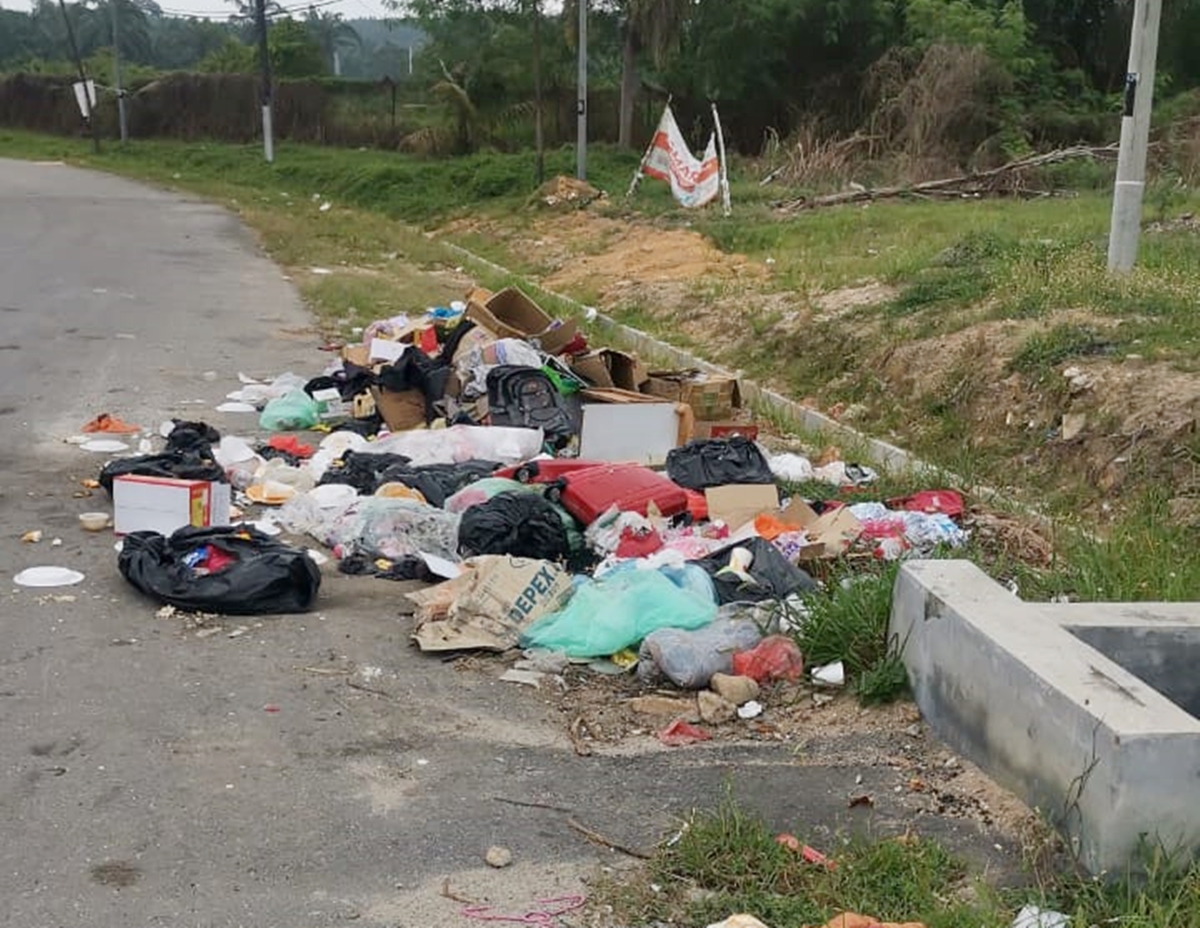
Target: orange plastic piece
110	424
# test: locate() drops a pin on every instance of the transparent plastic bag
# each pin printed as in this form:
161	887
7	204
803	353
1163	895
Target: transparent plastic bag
608	615
463	443
690	658
380	526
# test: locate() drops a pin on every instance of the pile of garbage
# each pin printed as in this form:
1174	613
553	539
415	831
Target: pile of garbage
554	498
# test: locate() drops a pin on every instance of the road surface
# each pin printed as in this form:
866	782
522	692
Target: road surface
143	780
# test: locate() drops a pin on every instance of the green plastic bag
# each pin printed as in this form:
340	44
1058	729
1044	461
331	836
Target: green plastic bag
291	412
616	612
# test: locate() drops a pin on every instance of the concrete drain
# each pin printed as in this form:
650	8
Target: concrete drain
1084	710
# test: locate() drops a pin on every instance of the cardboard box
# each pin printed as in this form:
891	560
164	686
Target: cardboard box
512	314
736	504
401	410
593	368
608	367
164	504
357	354
330	404
712	396
726	428
832	532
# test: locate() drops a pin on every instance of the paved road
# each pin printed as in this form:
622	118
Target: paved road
142	782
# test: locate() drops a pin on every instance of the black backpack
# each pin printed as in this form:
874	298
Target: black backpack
525	397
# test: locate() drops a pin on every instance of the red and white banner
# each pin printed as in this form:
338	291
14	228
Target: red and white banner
693	181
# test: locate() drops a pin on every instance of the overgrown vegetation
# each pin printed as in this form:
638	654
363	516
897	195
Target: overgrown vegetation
727	859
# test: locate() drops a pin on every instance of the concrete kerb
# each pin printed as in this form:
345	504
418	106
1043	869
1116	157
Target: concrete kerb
1037	696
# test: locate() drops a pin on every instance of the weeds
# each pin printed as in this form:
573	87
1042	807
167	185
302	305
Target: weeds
1045	351
848	622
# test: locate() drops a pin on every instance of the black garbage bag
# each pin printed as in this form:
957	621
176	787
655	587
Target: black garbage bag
714	462
192	436
183	465
775	577
436	482
252	574
361	470
516	523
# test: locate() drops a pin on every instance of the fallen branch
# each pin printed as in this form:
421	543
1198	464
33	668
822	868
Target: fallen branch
596	838
531	805
979	182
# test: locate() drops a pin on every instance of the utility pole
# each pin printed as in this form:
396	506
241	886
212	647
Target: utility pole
581	99
116	37
260	12
1135	136
90	117
538	136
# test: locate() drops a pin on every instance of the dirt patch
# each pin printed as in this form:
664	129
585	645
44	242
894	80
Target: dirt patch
826	728
845	300
646	254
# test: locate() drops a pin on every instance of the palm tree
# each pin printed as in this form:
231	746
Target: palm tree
332	35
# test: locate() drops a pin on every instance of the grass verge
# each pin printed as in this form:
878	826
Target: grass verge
727	860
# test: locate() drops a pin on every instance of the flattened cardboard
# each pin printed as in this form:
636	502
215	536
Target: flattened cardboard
832	532
401	410
738	503
495	599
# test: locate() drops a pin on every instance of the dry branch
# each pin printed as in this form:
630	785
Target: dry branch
1004	178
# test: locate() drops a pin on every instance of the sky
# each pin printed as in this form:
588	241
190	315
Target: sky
217	9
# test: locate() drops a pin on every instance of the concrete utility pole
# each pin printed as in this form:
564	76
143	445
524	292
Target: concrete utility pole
116	36
260	11
581	99
1135	136
90	118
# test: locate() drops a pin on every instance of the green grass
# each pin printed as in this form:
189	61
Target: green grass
727	860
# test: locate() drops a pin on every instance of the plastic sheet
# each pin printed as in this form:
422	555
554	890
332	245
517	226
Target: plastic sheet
608	615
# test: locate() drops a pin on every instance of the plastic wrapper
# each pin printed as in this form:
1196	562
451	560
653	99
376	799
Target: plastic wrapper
288	413
608	615
232	570
690	658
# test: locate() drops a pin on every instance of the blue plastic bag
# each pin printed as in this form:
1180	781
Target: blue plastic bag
617	611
